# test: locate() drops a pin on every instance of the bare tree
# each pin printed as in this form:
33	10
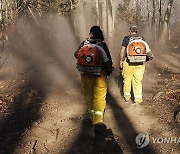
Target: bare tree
165	24
105	16
137	11
160	12
154	13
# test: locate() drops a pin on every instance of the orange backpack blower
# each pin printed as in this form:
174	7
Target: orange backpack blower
90	56
137	50
90	59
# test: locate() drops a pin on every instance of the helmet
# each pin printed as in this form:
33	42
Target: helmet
133	28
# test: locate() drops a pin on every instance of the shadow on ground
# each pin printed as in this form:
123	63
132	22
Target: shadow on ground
23	112
89	143
119	82
126	128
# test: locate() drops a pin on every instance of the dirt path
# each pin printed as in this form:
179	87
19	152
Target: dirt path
49	118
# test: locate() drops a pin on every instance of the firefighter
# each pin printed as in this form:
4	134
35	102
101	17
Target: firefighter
95	86
132	72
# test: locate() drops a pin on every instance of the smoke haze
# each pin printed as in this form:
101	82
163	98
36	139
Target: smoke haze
44	53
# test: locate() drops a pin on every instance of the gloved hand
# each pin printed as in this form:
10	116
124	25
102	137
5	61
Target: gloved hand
120	66
149	56
108	68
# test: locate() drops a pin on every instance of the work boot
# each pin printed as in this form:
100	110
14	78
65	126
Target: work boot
100	129
127	98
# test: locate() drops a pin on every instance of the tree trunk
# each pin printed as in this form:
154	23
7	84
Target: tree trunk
160	12
97	11
165	26
137	12
148	14
153	22
154	13
110	19
104	18
82	24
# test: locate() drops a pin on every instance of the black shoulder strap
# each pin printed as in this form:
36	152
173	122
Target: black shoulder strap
135	37
127	37
100	43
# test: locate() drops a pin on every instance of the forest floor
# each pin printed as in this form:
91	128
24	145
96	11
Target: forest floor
50	120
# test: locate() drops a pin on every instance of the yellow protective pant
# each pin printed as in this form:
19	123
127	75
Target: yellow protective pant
133	75
95	89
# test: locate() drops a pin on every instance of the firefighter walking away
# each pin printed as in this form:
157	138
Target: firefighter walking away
94	64
133	55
